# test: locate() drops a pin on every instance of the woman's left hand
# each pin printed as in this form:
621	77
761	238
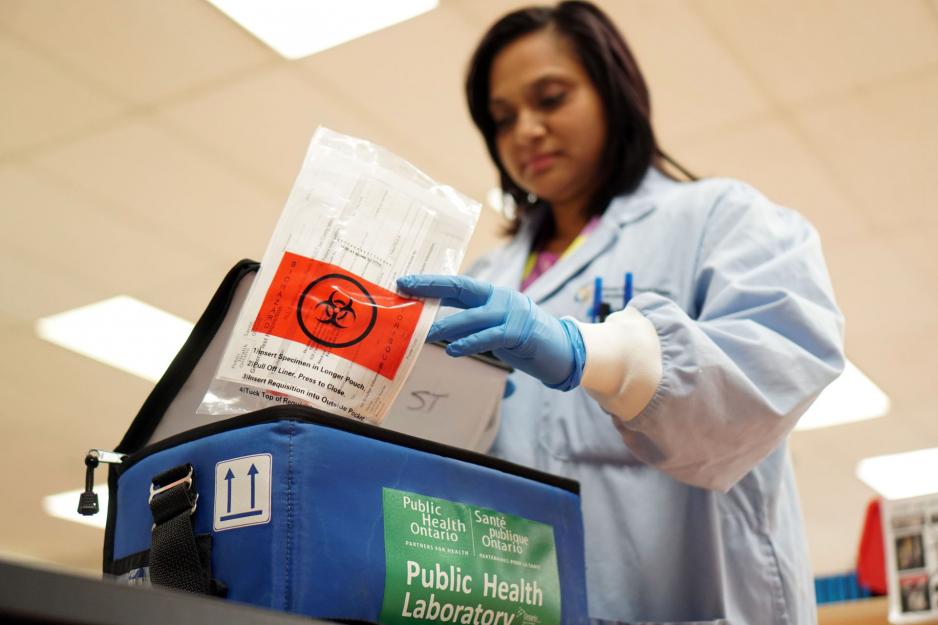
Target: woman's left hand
506	322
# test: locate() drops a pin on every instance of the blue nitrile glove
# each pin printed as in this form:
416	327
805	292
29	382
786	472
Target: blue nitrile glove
506	322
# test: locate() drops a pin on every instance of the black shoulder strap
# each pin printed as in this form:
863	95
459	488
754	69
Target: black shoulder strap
177	559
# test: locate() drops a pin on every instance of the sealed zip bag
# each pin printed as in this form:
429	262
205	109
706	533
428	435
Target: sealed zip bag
292	508
323	324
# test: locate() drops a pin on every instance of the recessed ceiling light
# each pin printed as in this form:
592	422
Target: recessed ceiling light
122	332
298	28
65	506
898	476
851	397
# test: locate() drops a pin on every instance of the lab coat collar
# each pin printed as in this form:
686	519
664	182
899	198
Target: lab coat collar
623	210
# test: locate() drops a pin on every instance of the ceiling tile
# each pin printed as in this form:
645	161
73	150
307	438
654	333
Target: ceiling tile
34	90
770	156
116	252
70	401
138	50
891	325
918	246
413	93
882	145
34	287
919	406
265	122
174	189
876	435
826	446
483	13
188	298
805	50
872	278
901	358
8	321
696	85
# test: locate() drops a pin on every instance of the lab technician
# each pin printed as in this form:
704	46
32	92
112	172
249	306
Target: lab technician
673	410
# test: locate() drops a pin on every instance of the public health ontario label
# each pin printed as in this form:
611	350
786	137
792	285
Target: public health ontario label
449	562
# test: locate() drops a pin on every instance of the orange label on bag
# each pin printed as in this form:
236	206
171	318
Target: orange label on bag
326	307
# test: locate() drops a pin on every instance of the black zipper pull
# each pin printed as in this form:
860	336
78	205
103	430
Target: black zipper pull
88	500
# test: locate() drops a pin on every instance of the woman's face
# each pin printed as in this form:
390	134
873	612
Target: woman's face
549	121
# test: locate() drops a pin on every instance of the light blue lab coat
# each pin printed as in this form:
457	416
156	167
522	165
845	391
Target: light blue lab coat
690	509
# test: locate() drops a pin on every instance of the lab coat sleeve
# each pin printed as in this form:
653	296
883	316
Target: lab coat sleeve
623	362
732	382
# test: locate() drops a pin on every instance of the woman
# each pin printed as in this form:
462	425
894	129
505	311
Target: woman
672	411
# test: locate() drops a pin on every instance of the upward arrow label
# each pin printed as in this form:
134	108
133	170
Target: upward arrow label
252	472
228	477
241	502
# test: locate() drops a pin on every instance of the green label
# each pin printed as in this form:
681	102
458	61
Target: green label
449	562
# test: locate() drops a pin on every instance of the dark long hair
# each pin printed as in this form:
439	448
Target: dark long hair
631	147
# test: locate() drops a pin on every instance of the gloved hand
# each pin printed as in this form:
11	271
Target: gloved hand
506	322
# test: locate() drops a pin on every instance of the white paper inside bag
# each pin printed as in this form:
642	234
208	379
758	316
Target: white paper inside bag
322	323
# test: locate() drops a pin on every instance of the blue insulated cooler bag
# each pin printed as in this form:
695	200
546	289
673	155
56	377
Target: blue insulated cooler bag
295	509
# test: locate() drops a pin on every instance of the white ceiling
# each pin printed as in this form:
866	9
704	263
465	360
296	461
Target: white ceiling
146	146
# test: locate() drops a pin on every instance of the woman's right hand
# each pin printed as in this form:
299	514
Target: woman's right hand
506	322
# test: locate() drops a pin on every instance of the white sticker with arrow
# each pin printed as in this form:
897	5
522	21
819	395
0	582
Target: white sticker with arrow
242	491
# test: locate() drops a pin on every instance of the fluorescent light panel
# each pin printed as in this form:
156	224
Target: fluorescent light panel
898	476
850	398
65	506
121	332
298	28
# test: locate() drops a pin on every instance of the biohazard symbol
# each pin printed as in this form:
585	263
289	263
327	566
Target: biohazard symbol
333	311
327	308
336	311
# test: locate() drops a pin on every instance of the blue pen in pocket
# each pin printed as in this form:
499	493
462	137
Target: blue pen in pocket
601	308
597	298
627	291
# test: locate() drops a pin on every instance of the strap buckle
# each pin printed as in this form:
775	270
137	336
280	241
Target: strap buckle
186	480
